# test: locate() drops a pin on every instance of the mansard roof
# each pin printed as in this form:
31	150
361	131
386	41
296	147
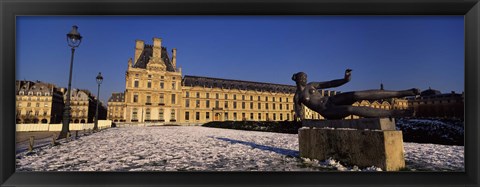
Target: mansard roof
430	92
35	87
117	97
147	52
210	82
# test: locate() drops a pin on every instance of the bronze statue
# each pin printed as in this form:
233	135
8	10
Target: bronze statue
340	105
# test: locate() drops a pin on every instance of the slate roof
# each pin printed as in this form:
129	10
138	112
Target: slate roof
429	92
147	53
117	97
210	82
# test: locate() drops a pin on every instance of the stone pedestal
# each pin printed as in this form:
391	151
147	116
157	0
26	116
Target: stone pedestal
364	148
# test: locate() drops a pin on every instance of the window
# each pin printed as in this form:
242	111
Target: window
173	85
234	116
187	116
147	114
187	94
273	99
234	104
243	97
198	95
36	113
148	99
266	106
226	116
226	96
217	104
207	103
258	98
287	99
243	105
251	116
162	77
161	115
280	106
207	115
197	116
136	83
243	116
280	99
172	114
187	103
226	104
216	96
29	104
173	98
197	103
149	83
134	113
162	85
207	95
162	98
259	106
234	97
251	105
266	117
288	116
281	117
274	117
37	105
266	98
259	116
135	98
273	106
251	98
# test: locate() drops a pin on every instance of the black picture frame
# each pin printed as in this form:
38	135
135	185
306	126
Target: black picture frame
11	8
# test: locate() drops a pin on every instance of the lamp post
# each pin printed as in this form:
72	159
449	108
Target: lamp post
73	40
99	81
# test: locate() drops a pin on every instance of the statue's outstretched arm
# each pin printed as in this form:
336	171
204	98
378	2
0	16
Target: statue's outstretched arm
333	83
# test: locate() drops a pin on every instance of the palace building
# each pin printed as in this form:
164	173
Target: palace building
434	104
38	102
155	91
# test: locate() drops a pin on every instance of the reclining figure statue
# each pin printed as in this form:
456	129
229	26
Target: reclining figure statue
340	106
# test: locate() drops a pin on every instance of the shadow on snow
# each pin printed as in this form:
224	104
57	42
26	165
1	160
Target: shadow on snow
286	152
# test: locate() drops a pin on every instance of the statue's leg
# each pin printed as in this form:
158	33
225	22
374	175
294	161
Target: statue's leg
339	112
349	98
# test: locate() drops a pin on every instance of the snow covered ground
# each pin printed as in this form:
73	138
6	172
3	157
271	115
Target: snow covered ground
182	148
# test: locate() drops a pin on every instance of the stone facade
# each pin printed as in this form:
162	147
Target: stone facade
38	102
116	107
83	105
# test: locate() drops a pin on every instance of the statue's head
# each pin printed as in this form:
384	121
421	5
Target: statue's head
300	78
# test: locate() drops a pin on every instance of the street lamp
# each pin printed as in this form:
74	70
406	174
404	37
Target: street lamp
99	81
73	40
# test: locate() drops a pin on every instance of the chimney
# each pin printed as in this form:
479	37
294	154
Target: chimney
139	45
174	57
157	48
129	62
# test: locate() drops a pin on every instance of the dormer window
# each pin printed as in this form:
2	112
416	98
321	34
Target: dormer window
21	93
39	94
30	93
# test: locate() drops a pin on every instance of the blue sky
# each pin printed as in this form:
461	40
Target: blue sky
399	51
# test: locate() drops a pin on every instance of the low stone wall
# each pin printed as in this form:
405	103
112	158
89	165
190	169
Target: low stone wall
58	127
